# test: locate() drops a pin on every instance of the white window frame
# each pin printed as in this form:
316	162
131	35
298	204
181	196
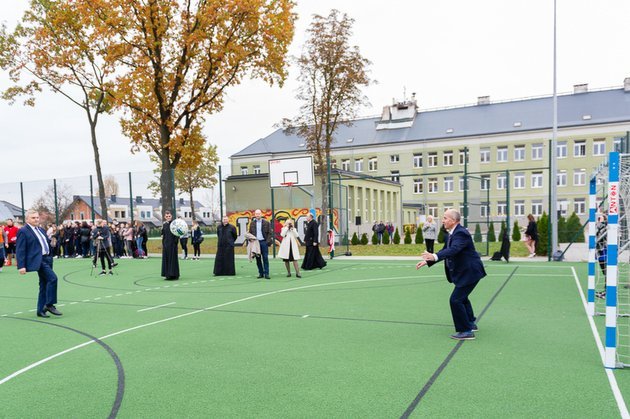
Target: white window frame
345	165
537	151
519	208
256	169
561	178
579	148
537	208
417	160
358	165
502	154
579	177
484	155
561	150
418	186
519	153
599	148
432	160
394	158
501	209
484	183
462	157
579	206
244	171
537	180
519	180
501	181
373	164
432	185
449	184
395	175
447	158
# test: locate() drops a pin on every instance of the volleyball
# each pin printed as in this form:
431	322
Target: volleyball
179	227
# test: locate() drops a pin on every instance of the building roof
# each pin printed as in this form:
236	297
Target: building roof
8	210
578	109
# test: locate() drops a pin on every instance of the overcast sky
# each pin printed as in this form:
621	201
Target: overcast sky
447	52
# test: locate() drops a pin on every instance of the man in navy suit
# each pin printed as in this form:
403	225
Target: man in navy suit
463	268
33	254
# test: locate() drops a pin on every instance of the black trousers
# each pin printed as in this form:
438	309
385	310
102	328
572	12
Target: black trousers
461	309
103	254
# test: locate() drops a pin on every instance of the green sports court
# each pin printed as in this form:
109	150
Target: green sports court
360	338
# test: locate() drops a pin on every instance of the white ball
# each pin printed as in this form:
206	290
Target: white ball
179	227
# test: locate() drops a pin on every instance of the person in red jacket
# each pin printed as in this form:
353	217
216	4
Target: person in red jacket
10	231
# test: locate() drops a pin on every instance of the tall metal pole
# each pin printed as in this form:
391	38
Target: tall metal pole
221	194
466	187
273	224
22	196
56	205
554	170
507	203
173	193
330	195
130	200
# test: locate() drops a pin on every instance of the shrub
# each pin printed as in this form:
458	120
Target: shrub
396	237
375	238
491	236
542	245
441	235
574	229
516	232
477	237
385	237
502	231
355	239
344	240
407	236
562	230
364	239
419	238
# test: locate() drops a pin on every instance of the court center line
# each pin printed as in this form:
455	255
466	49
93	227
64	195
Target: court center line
141	326
621	404
152	308
412	406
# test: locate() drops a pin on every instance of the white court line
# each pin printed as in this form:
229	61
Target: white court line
190	313
151	308
621	404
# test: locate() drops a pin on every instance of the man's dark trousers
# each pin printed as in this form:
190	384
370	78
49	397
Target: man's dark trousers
264	255
461	309
47	284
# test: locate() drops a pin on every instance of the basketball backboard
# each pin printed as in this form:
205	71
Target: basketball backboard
296	171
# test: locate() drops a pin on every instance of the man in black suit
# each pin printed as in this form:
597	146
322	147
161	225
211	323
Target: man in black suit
33	254
463	268
261	228
312	257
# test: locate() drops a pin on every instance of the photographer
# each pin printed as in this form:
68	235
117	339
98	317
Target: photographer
101	236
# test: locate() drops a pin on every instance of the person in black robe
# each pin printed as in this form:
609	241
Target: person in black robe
224	260
312	258
170	264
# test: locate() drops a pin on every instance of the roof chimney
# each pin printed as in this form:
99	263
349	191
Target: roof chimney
112	198
626	84
138	199
181	201
483	100
580	88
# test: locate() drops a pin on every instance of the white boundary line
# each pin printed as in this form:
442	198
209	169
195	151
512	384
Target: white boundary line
120	332
152	308
621	404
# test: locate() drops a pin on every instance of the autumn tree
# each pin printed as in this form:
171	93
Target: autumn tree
178	58
54	46
45	203
111	185
332	73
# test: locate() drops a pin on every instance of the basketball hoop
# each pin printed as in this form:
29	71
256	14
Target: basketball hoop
287	184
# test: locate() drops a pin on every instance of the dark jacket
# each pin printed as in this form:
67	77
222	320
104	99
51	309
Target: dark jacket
311	233
462	265
226	235
28	250
266	230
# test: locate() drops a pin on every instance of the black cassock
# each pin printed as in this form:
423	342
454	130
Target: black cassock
170	264
224	260
312	258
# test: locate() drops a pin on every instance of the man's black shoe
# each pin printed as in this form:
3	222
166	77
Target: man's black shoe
463	336
259	276
114	264
43	314
52	310
475	328
267	277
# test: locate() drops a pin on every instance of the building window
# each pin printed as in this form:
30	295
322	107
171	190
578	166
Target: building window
561	178
142	215
418	186
244	170
519	208
433	160
345	165
256	169
501	180
485	182
432	184
561	150
599	147
519	153
81	215
579	206
579	148
484	155
483	209
433	210
394	158
537	151
519	180
537	207
537	180
502	154
395	175
373	164
358	165
462	157
448	158
448	206
417	160
501	207
461	184
562	206
333	164
448	184
579	177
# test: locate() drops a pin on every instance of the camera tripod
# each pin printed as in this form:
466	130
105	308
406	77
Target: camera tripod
110	259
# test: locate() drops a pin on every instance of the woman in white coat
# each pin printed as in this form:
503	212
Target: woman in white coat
289	248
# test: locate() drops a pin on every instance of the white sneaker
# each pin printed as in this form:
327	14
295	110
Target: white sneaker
531	255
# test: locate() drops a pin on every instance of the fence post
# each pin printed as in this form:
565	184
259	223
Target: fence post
92	200
220	195
22	196
56	205
130	200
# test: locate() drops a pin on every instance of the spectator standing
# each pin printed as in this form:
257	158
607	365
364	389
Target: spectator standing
429	232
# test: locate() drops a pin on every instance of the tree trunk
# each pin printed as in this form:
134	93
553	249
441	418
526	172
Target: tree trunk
99	174
192	205
166	175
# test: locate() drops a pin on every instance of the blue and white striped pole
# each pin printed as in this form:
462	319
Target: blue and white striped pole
592	240
610	359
